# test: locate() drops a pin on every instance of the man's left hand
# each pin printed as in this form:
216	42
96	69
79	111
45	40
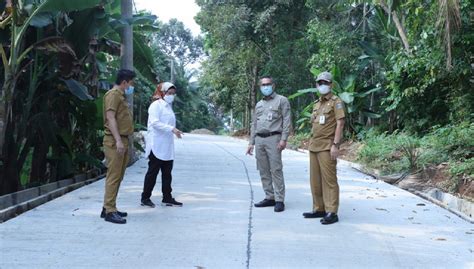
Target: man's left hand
281	145
334	152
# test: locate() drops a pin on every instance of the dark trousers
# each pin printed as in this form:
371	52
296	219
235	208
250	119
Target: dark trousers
154	167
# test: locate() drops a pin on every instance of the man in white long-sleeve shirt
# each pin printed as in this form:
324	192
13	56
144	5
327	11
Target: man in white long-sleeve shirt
160	145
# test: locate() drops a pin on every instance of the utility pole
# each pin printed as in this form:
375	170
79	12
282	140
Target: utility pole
126	54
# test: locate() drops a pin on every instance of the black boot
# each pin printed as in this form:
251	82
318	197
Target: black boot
279	207
171	202
330	218
148	202
114	217
121	214
265	203
313	215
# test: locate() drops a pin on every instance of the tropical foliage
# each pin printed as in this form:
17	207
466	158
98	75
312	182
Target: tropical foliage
401	67
58	60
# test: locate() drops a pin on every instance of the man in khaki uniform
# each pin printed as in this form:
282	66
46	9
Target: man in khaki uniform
269	132
328	124
118	125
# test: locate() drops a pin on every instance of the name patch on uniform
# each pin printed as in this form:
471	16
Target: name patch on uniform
322	119
339	106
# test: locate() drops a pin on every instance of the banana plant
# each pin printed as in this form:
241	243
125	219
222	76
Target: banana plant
21	15
53	56
344	88
21	60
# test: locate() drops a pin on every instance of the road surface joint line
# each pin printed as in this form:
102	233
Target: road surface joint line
249	231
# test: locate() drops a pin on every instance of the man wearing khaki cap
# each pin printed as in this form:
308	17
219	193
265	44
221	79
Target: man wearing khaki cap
328	124
270	129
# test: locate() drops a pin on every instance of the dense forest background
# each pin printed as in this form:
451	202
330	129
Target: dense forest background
404	69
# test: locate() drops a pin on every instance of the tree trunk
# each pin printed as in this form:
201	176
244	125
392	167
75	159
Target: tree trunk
364	22
392	121
5	105
253	94
10	177
2	126
38	163
127	58
398	25
231	121
449	57
370	121
172	77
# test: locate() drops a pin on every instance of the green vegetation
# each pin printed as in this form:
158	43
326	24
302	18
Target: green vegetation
58	59
396	153
403	68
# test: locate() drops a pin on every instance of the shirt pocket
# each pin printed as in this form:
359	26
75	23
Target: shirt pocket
275	113
259	112
327	110
314	115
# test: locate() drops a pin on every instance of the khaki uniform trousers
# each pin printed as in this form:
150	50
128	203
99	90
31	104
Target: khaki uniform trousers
270	166
323	179
116	164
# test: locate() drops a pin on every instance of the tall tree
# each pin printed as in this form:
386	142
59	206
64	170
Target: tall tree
248	39
127	56
178	42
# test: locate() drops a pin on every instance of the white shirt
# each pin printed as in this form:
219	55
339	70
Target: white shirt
160	138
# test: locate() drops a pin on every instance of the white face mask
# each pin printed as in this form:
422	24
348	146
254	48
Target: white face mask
169	99
324	89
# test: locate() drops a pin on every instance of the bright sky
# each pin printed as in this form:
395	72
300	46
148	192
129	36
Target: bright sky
183	10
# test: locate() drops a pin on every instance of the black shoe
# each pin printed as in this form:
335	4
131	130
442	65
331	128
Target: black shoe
330	218
313	215
114	217
265	203
171	202
279	207
121	214
148	202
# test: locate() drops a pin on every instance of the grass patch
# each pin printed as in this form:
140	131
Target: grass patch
300	140
402	152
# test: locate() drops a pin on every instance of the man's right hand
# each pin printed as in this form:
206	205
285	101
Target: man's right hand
250	150
120	147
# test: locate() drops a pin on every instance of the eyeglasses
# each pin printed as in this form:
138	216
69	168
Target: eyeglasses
323	82
267	84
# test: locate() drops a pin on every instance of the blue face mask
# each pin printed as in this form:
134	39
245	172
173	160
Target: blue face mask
266	90
129	90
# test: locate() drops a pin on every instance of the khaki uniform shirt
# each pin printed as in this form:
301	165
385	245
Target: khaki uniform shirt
115	100
327	110
272	114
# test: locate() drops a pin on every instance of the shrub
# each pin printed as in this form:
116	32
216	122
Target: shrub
404	152
380	152
298	140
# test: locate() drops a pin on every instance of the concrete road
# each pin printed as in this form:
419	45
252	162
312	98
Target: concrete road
380	226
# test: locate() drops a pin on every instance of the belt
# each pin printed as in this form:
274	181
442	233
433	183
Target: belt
124	136
268	134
